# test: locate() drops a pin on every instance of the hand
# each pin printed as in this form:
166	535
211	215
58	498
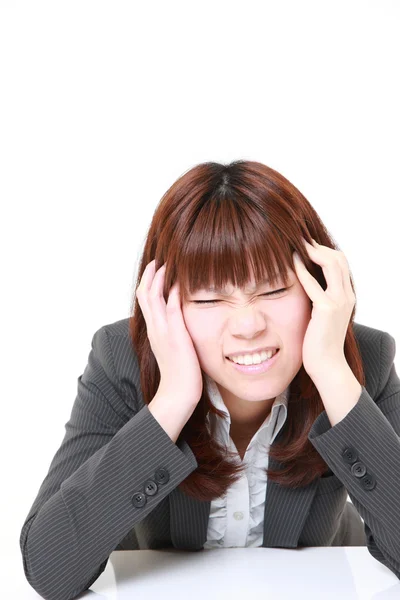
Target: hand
323	343
169	339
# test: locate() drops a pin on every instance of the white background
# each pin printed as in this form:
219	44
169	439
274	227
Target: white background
103	105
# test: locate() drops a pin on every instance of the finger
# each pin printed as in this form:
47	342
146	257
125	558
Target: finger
146	279
144	294
156	288
348	288
174	309
175	318
332	268
309	283
156	300
173	296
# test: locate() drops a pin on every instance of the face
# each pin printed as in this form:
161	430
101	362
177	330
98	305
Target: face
249	318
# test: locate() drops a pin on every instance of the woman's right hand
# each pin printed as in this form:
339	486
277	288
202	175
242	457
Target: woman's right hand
169	339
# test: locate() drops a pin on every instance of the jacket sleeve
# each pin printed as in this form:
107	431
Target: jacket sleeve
363	450
84	506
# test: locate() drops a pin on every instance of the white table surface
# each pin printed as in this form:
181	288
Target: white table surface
319	573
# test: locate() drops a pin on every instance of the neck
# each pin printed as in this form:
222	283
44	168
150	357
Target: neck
246	417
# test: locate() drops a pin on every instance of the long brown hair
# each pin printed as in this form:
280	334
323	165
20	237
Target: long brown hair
209	226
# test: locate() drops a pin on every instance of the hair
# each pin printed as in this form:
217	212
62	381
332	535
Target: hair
208	227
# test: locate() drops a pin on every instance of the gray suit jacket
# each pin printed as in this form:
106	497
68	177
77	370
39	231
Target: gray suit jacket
113	482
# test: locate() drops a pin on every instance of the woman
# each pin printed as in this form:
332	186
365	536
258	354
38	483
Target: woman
172	443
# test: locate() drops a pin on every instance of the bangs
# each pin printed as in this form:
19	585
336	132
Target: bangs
230	242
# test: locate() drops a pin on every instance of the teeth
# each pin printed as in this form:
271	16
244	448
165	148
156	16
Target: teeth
252	359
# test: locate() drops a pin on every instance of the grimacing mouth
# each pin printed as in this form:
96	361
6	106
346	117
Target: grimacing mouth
244	353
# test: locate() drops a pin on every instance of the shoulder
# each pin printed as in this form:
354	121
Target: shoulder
113	339
378	350
374	343
113	346
119	328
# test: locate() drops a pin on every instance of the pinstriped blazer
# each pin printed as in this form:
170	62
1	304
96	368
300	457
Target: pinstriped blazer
113	482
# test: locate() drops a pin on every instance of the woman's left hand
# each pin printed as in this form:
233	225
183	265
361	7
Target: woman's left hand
323	345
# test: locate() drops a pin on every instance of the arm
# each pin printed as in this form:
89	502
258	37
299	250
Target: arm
371	428
84	506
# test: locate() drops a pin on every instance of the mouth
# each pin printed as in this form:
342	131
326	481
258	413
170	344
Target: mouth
256	368
276	352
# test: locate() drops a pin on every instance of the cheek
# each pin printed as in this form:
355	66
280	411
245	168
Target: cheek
199	325
293	319
203	328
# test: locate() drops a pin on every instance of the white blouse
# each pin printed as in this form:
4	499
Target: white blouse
237	518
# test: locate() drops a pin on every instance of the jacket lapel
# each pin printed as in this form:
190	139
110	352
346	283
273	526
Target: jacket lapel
286	510
189	521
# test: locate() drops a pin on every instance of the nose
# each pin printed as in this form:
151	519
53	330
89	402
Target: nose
247	321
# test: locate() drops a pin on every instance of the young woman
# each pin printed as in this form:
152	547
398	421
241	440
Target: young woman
239	405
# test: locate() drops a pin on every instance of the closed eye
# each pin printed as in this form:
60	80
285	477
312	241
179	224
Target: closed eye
215	301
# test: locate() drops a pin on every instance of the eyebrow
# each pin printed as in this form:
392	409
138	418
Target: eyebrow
222	293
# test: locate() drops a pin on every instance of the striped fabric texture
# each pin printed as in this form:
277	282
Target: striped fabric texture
113	482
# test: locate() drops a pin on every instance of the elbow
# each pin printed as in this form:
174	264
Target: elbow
55	571
50	562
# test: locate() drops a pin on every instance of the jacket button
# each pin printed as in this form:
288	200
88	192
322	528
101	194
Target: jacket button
368	481
358	469
161	476
139	499
150	487
349	455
